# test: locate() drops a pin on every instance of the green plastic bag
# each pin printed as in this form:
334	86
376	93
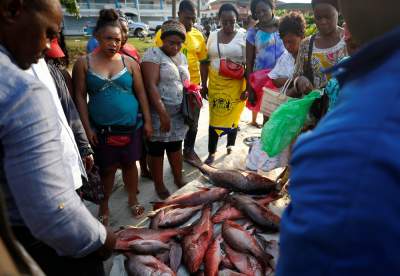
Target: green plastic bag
285	123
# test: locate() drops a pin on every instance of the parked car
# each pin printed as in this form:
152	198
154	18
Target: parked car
138	29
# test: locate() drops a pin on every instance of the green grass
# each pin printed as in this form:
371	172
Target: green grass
76	46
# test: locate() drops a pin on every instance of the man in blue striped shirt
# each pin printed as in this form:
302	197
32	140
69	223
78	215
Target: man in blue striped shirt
46	214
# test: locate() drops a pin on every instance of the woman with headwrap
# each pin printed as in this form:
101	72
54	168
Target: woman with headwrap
165	69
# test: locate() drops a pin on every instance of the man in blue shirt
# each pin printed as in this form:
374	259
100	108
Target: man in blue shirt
345	185
46	214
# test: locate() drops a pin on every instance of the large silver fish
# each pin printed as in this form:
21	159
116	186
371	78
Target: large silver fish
239	181
201	197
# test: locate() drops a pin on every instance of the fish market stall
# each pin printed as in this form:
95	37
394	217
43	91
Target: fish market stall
230	228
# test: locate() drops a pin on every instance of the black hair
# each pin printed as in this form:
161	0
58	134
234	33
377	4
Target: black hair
254	3
63	46
228	7
292	23
186	5
333	3
107	17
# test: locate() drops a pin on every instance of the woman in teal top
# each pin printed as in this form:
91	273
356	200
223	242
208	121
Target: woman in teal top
111	118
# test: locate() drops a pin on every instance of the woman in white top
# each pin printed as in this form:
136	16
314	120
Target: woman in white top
226	96
292	31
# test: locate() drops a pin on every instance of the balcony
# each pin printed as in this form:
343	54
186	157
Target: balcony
88	8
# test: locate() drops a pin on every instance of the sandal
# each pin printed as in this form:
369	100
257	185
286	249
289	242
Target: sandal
257	125
137	210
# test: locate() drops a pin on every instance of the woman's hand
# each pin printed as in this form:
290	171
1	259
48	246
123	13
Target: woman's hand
303	85
148	130
88	161
92	136
165	122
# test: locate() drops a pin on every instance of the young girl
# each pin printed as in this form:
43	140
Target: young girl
263	48
111	121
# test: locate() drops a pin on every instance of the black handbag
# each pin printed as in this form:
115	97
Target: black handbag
92	189
189	107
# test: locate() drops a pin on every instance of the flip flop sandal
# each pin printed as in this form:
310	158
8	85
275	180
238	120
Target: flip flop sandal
257	125
249	141
137	210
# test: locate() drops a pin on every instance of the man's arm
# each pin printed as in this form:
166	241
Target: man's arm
40	185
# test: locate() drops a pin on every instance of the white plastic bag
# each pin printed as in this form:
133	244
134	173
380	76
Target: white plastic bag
118	267
257	159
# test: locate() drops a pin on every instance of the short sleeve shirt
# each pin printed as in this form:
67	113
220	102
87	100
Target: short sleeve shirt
284	67
269	47
195	50
170	84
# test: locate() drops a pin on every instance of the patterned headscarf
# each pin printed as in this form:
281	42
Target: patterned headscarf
173	27
334	3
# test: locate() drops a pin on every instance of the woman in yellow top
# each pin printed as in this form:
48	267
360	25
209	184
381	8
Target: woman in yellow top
225	96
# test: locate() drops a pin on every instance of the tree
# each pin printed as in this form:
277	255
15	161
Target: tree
71	6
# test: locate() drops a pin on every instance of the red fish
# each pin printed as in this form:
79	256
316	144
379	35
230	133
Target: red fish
213	257
227	212
201	197
239	181
244	263
166	218
195	244
139	265
147	247
262	216
241	240
124	236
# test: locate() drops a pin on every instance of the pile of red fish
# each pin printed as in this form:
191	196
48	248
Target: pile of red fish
225	240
